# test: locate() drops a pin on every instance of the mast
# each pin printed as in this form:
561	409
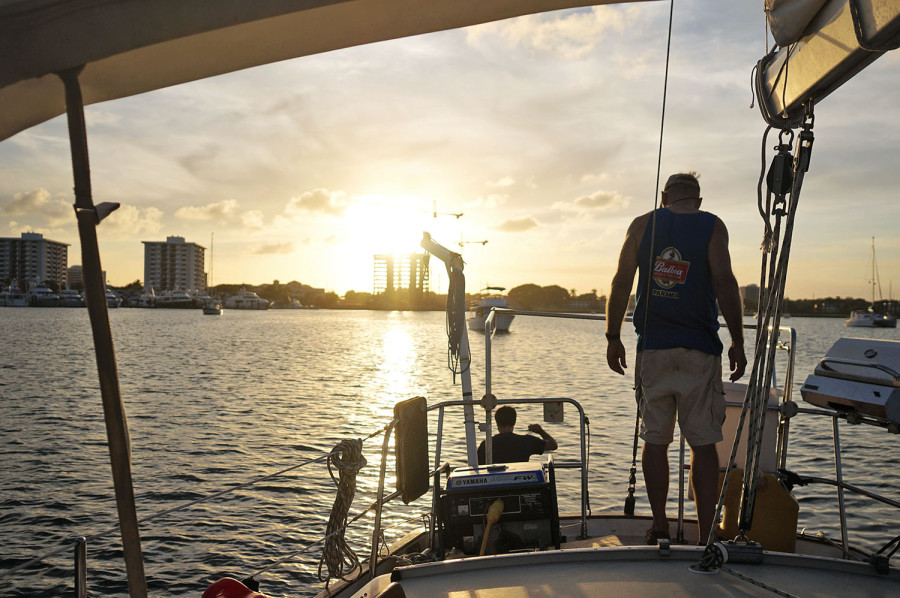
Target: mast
211	237
456	325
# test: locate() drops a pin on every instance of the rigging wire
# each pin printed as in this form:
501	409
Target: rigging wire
768	323
632	472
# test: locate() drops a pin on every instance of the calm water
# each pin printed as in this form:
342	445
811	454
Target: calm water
215	401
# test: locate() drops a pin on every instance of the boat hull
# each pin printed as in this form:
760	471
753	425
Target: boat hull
502	322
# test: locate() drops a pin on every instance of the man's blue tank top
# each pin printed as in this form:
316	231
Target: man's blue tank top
683	310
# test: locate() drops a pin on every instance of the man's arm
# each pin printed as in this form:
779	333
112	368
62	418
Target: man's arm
729	297
620	292
549	442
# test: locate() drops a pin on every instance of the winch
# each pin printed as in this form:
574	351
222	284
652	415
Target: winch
858	375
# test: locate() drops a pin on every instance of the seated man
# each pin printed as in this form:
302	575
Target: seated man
509	447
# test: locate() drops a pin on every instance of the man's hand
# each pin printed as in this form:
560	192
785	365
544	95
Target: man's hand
549	442
737	361
615	356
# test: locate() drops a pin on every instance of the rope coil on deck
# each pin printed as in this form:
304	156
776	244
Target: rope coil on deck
456	320
337	556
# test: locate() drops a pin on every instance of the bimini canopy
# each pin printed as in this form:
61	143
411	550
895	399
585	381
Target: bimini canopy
821	45
128	47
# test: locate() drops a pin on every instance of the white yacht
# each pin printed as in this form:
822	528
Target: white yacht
15	298
174	300
246	299
70	298
869	319
482	309
112	300
42	297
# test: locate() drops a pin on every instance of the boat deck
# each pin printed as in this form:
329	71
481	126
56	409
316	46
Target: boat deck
631	571
613	561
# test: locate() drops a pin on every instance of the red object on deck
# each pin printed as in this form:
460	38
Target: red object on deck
228	587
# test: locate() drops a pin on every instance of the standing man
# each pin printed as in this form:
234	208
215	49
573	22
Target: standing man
509	447
678	368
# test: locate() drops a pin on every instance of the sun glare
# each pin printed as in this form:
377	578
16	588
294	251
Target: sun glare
383	225
378	225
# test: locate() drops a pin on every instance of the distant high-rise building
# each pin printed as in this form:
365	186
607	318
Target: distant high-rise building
401	272
32	259
76	277
174	265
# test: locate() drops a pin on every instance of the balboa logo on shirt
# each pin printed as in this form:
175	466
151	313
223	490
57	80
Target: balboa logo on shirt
669	269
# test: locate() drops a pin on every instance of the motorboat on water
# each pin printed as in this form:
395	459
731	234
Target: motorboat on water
212	308
246	299
42	297
869	319
174	300
13	297
527	546
502	320
147	298
70	298
112	299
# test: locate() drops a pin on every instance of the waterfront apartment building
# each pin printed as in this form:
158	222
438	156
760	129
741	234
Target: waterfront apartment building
32	260
76	277
174	265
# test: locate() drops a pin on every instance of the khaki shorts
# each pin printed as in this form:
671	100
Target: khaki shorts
682	381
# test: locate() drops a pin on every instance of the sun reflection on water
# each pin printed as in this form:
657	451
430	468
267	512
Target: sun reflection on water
395	375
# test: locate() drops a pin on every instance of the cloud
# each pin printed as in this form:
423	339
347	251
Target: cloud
606	201
517	225
569	35
128	221
222	210
493	200
41	209
601	200
252	220
318	200
225	211
506	181
273	249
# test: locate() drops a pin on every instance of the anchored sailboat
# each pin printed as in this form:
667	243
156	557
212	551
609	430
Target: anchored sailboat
870	318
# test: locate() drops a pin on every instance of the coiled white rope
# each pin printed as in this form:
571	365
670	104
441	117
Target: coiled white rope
337	556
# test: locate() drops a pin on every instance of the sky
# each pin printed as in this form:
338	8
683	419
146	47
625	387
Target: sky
543	131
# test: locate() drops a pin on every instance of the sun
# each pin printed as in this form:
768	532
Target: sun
381	225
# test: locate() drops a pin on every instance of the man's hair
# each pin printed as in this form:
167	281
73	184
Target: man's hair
683	183
505	416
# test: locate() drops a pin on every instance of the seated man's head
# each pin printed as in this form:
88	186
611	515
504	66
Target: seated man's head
505	417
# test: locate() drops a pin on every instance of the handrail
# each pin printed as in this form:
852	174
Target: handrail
826	362
838	482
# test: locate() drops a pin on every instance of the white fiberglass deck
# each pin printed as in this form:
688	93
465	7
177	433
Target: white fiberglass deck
633	571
